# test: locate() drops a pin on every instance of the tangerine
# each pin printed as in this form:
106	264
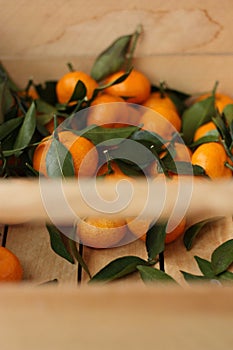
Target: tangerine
10	266
212	157
205	130
100	232
66	85
83	152
135	88
157	99
110	112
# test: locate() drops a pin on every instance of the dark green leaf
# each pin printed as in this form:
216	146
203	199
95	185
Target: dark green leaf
44	107
79	257
128	168
110	136
111	83
192	232
57	241
228	112
6	100
10	125
199	113
226	276
223	130
155	238
79	92
213	136
112	59
118	268
189	277
4	75
59	162
222	257
150	274
205	267
27	129
47	92
148	139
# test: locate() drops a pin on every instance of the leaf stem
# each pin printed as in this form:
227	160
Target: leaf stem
215	88
133	44
70	66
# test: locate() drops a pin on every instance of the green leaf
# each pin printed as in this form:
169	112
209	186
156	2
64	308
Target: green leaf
44	107
59	162
222	257
110	136
118	268
155	238
112	59
228	113
205	267
10	125
150	274
4	76
211	136
78	257
192	232
149	139
27	129
223	129
189	277
6	100
79	92
57	241
226	276
199	113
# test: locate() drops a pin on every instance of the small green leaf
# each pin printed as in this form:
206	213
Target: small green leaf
192	232
211	136
150	274
112	59
57	241
228	113
4	76
226	276
220	123
149	139
59	162
78	257
205	267
44	107
9	126
118	268
189	277
6	100
110	136
199	113
222	257
27	129
155	238
79	92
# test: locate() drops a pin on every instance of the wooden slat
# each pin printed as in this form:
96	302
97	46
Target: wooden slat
74	28
40	264
119	318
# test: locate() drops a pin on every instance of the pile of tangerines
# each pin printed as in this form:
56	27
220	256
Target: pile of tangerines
159	115
136	89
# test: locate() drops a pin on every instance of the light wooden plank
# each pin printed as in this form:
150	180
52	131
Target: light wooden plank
58	28
40	264
119	318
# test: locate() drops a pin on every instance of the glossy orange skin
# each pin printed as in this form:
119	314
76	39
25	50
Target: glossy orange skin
66	84
10	266
204	130
135	88
212	158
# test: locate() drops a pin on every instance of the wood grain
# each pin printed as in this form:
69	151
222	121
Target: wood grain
112	318
40	264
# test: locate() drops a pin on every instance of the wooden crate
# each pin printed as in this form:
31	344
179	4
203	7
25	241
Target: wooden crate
188	44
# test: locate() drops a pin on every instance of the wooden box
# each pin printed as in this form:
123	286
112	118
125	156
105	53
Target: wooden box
186	43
